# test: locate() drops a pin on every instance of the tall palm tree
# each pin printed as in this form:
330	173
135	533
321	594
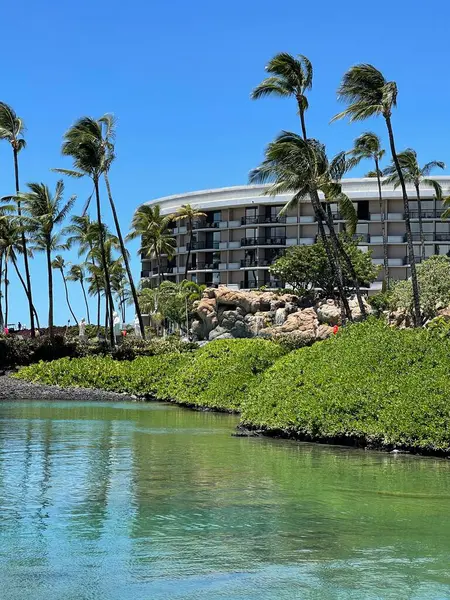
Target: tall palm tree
153	228
77	274
188	213
369	94
294	165
88	158
290	77
44	216
58	263
85	234
368	147
101	133
11	130
11	235
417	175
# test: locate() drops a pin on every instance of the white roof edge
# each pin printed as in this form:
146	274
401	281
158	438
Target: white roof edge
244	187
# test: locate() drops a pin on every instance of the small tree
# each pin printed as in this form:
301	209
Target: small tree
434	281
307	269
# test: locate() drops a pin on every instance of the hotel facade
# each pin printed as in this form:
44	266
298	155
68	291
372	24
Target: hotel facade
243	232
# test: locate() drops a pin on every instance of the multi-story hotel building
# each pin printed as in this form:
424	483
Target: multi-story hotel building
243	233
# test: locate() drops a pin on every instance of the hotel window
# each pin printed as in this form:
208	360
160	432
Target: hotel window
274	232
251	215
251	233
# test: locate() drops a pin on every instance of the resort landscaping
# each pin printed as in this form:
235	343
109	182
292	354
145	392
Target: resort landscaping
370	385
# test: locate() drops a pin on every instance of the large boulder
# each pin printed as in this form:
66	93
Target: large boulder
219	333
355	310
328	312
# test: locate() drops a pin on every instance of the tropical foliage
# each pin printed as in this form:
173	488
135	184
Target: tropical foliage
307	270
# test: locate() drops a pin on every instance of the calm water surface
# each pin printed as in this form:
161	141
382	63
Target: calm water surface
153	502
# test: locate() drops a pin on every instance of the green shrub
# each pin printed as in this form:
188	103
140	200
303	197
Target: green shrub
434	283
222	372
218	375
369	383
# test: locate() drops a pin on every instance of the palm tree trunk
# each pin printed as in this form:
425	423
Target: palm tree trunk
332	255
351	269
2	321
419	213
6	294
417	319
104	263
67	297
191	237
301	112
99	300
383	226
24	285
50	290
106	313
125	258
24	244
85	301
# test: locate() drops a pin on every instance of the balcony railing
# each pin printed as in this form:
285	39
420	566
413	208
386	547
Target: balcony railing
252	285
336	216
427	214
248	262
261	219
431	237
203	246
363	237
203	224
202	266
417	259
146	273
262	241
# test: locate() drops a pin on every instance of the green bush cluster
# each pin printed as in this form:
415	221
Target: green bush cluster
371	383
218	375
18	351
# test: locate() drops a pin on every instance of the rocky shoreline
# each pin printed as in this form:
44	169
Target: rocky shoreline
16	389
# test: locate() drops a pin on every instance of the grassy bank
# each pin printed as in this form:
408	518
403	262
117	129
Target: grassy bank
219	375
370	385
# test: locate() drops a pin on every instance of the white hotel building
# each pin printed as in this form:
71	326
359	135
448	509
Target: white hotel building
243	234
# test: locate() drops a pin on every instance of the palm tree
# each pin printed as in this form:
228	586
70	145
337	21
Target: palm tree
85	234
101	133
77	274
11	130
11	235
413	173
368	147
369	94
290	77
153	228
59	264
45	213
294	165
88	157
188	213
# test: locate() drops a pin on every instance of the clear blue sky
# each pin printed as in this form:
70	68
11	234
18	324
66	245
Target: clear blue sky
178	77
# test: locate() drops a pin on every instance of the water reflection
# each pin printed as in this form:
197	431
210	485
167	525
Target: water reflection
148	501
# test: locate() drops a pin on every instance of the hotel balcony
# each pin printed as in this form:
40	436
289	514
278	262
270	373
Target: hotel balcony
262	220
261	241
248	263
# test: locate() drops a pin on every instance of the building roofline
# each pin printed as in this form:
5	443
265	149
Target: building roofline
244	188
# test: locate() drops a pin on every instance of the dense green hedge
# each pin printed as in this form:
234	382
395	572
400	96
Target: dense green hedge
370	383
18	351
218	375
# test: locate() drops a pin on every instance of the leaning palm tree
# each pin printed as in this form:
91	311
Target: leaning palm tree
45	214
77	274
298	166
88	157
289	77
369	94
59	264
368	147
153	228
188	213
417	175
11	130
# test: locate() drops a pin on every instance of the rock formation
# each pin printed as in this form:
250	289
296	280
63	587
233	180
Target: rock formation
223	313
